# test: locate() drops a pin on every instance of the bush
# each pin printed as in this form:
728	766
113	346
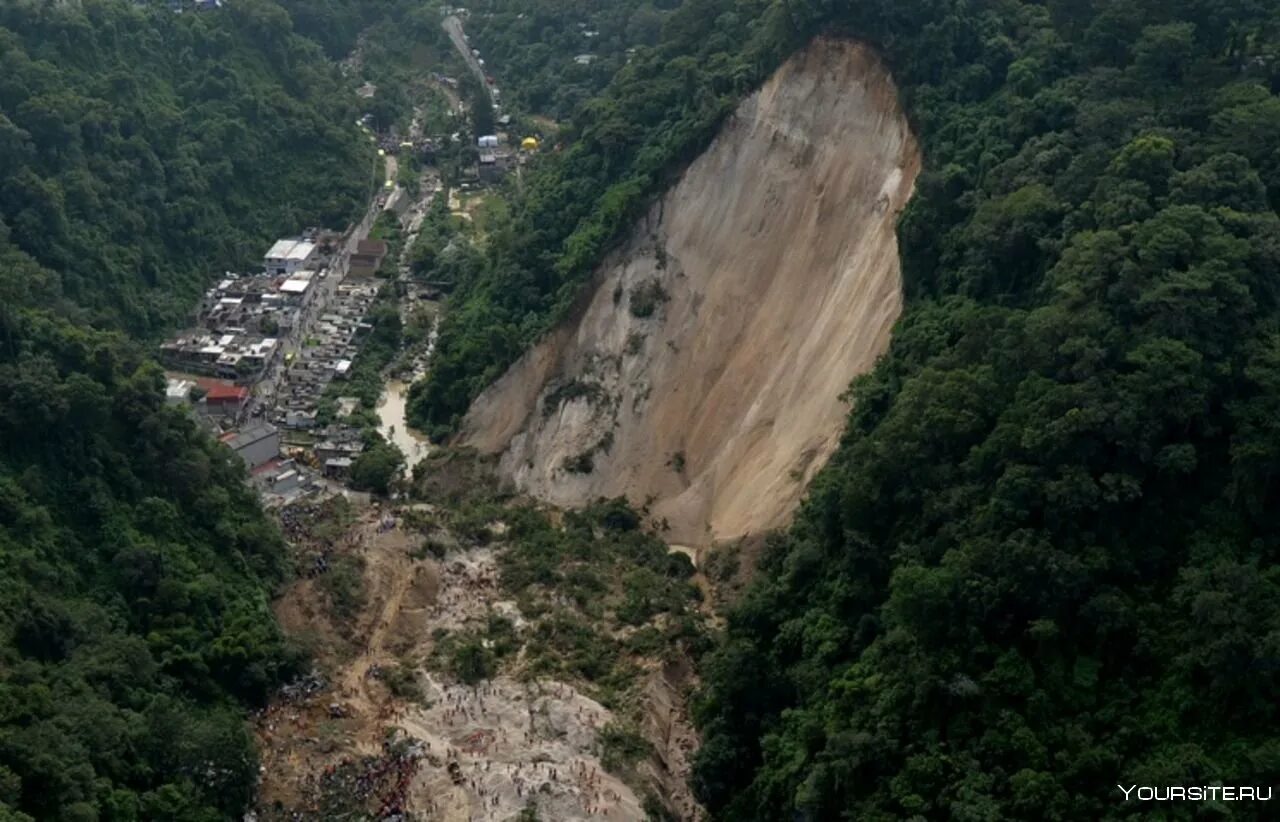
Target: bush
621	746
647	298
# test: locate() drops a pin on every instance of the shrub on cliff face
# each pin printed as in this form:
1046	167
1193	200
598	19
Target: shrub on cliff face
647	298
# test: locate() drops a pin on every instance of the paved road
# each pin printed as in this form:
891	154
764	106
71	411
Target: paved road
453	27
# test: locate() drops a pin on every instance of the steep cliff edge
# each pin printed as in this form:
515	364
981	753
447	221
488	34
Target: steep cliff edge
704	373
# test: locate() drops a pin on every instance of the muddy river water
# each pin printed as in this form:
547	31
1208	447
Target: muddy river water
392	424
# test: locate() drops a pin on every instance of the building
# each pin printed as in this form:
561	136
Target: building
279	476
257	444
300	419
296	290
177	391
223	399
337	468
289	256
367	258
335	449
492	167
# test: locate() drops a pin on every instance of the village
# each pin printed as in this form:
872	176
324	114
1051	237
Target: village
266	361
267	347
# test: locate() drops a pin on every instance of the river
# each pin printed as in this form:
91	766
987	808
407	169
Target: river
393	422
394	427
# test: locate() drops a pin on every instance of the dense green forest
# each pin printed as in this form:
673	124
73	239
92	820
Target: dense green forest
1043	561
143	152
136	568
532	46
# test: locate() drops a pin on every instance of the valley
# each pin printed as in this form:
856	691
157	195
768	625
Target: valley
664	410
747	279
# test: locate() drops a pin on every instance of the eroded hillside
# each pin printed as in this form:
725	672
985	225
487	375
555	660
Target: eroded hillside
704	373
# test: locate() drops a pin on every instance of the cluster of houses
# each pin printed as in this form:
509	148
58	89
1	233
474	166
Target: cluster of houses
242	320
288	331
327	352
239	357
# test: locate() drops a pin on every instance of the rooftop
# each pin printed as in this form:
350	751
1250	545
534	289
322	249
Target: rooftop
293	249
248	436
295	286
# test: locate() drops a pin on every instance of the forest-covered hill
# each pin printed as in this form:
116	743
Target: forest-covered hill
142	153
537	46
143	149
1044	560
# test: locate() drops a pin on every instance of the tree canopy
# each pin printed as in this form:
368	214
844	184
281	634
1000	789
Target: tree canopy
1043	560
143	153
146	151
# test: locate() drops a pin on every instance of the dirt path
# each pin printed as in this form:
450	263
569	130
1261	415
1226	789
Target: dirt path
398	579
488	751
453	27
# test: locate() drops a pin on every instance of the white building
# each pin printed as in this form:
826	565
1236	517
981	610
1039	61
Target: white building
294	291
288	256
177	391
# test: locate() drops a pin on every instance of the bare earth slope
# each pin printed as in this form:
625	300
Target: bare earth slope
771	271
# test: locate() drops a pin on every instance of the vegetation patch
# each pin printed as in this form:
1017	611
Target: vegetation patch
622	746
647	298
473	656
569	391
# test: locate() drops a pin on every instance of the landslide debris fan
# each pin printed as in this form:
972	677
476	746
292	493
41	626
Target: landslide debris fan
704	372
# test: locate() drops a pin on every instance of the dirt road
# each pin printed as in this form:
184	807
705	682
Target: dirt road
453	27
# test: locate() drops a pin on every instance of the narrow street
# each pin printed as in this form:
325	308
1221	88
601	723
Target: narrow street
268	388
453	27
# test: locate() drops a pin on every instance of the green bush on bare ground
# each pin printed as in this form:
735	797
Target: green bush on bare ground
647	298
622	746
343	586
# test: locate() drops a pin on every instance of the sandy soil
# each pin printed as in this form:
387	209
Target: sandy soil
776	267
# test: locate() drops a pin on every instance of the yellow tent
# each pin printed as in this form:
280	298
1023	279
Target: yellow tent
529	144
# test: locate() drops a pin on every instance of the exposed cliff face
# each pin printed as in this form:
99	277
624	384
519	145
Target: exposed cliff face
705	372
